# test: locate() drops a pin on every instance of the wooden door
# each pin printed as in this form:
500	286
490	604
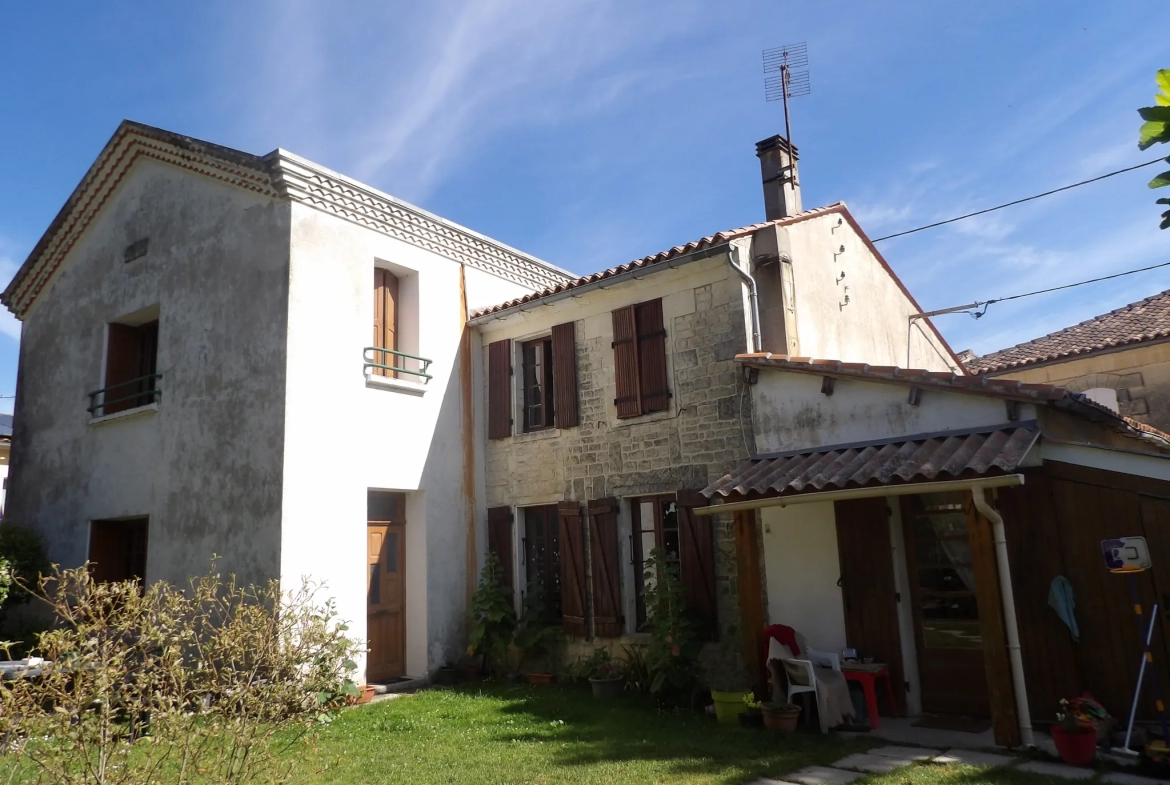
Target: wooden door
946	614
868	588
385	601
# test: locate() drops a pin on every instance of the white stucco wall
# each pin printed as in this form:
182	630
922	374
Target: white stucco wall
802	568
790	411
873	326
345	436
206	465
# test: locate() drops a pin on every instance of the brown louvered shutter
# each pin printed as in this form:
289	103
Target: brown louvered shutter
652	380
500	389
564	352
572	568
385	318
606	575
500	542
628	399
697	563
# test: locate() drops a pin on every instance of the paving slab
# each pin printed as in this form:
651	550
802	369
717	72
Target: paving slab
912	753
769	781
1124	778
973	758
823	775
873	764
1056	770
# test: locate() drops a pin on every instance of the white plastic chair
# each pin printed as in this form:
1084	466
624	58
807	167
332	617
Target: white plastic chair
801	676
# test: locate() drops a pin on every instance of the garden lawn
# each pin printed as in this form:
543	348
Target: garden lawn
498	733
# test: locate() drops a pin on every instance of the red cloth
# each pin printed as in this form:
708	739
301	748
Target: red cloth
786	636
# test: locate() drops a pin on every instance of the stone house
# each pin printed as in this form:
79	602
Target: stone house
1120	359
613	399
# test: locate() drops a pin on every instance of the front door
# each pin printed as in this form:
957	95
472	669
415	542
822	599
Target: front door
946	615
385	606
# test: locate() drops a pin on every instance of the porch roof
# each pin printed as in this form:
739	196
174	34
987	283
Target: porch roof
907	459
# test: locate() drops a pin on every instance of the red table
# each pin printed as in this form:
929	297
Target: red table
866	675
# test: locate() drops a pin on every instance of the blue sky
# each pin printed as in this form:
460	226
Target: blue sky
592	132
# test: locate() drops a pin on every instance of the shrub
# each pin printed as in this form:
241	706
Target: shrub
5	579
162	685
537	629
25	553
672	657
492	616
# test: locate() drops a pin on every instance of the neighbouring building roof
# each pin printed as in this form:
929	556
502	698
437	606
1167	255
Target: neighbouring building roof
278	175
924	458
1145	320
5	426
1010	389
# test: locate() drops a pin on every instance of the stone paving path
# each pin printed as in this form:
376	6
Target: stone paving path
883	760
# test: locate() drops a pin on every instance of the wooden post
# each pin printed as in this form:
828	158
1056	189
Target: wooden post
751	592
1004	720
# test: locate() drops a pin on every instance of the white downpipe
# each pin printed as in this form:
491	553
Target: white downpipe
753	296
1009	613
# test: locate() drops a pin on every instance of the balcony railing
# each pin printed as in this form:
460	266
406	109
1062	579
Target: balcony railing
376	358
125	395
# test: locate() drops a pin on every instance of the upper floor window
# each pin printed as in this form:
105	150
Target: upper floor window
537	383
131	369
639	357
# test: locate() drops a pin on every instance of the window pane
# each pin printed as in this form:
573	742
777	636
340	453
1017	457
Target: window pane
375	592
390	552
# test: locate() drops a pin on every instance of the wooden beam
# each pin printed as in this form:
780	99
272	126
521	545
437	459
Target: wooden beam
827	384
915	396
750	590
1004	720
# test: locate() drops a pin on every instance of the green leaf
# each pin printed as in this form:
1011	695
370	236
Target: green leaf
1163	79
1153	132
1162	201
1162	100
1159	114
1166	220
1161	180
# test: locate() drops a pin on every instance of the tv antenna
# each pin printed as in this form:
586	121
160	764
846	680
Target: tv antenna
786	76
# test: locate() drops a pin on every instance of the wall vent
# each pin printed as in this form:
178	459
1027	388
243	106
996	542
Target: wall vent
135	250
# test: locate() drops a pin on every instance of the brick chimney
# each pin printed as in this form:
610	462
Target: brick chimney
781	184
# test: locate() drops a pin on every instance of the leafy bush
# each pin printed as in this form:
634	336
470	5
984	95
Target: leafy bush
492	617
585	667
25	553
166	685
538	628
672	657
5	579
635	670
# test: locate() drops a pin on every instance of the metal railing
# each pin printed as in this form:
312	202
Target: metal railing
388	370
134	393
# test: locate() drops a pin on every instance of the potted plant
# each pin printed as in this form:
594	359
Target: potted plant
446	675
365	695
536	633
1075	738
752	716
606	680
780	716
493	621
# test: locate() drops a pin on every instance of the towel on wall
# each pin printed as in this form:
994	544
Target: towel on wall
1060	599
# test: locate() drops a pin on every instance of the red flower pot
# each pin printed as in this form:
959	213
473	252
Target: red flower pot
1077	748
539	678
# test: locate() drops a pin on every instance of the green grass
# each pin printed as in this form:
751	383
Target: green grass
520	734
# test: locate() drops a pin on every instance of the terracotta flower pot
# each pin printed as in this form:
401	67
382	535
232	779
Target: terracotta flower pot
472	672
1077	748
367	694
780	717
539	678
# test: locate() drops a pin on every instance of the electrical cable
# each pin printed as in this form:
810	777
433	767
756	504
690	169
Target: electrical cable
1021	201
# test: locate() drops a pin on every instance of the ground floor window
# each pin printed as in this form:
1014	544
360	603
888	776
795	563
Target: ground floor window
542	554
656	525
117	549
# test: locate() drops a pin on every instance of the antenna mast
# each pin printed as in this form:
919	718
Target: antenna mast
786	76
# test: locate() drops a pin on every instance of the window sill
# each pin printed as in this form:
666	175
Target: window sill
535	436
136	411
374	381
624	422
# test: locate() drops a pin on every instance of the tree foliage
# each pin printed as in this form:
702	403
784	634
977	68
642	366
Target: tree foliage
152	685
1156	130
25	553
672	657
493	618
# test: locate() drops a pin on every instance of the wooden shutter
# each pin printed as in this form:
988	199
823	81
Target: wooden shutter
697	562
867	585
123	363
606	574
500	389
652	380
385	318
572	568
500	542
564	352
628	398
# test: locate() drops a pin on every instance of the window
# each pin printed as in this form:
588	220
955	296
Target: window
385	321
687	540
542	554
537	384
548	383
131	369
639	353
117	549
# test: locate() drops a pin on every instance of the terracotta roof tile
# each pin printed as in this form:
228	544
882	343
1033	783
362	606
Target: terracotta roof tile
701	244
1145	320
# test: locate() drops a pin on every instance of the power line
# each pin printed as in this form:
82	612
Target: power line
1021	201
